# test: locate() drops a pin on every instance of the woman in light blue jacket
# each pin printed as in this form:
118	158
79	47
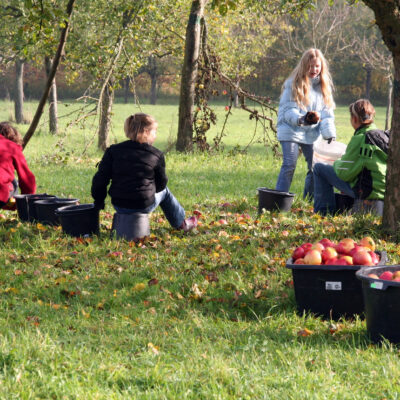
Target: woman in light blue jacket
305	111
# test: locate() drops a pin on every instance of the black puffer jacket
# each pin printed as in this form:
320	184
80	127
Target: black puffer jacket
136	171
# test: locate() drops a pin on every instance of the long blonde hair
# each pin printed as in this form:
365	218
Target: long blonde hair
301	82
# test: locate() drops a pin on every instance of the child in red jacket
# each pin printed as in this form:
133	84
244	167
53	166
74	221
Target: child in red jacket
12	159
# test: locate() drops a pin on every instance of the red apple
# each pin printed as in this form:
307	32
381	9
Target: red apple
387	276
345	245
348	259
313	257
298	253
306	246
396	275
327	243
362	258
367	241
356	248
374	257
299	261
223	221
318	246
332	261
328	253
341	261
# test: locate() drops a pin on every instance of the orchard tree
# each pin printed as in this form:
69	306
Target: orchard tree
193	48
189	76
31	35
387	15
52	72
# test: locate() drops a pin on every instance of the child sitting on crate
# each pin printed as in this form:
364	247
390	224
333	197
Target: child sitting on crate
361	172
12	159
136	170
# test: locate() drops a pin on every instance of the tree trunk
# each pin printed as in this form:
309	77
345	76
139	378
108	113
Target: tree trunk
153	89
236	94
189	76
368	82
105	116
391	213
127	81
387	16
52	74
19	92
389	102
53	109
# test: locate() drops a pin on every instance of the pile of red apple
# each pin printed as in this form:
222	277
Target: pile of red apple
387	276
345	252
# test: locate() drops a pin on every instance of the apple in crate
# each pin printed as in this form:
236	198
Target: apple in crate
313	257
347	259
387	276
298	253
362	257
328	253
345	246
368	242
327	242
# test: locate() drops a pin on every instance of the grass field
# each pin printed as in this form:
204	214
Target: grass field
208	315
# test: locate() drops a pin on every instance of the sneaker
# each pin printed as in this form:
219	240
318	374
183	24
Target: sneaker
189	223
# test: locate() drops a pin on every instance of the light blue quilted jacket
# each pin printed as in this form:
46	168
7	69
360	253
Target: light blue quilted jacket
289	114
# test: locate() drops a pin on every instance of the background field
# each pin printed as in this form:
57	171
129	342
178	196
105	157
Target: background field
209	315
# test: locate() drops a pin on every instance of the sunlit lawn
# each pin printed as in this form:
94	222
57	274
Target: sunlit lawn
208	315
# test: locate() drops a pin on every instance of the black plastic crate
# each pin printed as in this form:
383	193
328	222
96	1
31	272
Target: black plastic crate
331	291
382	304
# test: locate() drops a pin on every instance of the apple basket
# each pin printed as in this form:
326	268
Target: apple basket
331	291
381	295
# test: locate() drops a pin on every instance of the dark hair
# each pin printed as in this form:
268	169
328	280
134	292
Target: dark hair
363	110
10	133
136	124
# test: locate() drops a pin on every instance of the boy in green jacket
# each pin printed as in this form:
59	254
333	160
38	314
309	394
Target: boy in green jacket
361	172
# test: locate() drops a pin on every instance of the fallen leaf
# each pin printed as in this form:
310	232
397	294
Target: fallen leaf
304	332
154	349
152	282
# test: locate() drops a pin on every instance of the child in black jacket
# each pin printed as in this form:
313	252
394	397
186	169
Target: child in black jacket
136	170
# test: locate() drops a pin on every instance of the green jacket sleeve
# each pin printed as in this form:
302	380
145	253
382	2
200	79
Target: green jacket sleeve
350	165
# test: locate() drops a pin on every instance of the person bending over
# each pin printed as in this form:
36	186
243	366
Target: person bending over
13	160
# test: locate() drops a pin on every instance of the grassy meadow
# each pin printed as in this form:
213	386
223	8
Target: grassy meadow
205	315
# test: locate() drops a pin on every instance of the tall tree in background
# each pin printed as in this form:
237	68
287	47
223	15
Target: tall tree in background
189	76
53	101
387	15
52	73
19	91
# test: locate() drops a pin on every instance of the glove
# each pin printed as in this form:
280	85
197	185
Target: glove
330	140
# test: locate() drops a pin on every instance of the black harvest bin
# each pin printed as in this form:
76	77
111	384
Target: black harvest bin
331	291
382	304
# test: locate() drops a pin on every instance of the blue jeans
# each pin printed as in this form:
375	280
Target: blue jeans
325	180
173	211
290	152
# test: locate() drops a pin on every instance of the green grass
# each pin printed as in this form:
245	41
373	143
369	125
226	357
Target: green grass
208	315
